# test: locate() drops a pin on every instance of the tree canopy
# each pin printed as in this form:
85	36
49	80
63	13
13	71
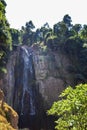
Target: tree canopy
5	36
71	109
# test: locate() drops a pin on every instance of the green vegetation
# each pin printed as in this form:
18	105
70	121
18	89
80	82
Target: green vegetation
71	109
5	37
27	33
15	34
7	115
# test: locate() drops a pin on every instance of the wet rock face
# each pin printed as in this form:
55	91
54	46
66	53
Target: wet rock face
31	70
20	81
33	82
51	74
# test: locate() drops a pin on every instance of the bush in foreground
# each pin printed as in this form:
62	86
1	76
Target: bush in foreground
71	109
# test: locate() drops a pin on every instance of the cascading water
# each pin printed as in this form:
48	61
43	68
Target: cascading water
26	86
24	96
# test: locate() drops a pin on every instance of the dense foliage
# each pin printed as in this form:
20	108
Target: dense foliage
15	34
71	109
5	37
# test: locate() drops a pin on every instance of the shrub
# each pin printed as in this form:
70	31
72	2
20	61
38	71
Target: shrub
71	109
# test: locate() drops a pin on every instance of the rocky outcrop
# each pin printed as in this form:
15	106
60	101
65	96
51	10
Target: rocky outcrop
48	70
8	117
35	78
51	73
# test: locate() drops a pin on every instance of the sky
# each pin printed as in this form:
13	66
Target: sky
18	12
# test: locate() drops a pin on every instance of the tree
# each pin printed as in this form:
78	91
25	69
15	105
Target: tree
84	33
28	34
76	29
71	109
15	36
60	29
5	36
37	36
45	31
67	20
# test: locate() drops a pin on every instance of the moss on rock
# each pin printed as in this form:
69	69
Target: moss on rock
8	117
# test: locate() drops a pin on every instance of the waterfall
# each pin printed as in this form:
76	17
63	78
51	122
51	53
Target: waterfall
21	88
26	87
23	92
27	71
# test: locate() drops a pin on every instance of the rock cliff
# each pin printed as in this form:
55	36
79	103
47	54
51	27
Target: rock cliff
51	73
35	77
